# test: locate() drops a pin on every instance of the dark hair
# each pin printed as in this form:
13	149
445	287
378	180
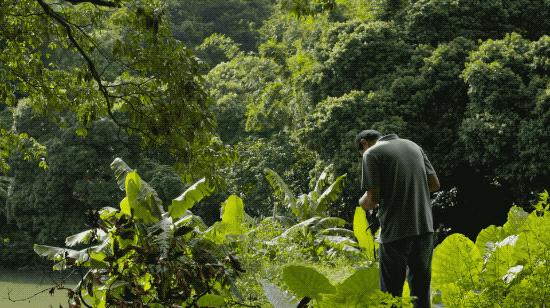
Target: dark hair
367	134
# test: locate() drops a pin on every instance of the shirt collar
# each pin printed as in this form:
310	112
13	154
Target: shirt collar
388	137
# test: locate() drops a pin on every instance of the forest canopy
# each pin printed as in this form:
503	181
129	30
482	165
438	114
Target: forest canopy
224	89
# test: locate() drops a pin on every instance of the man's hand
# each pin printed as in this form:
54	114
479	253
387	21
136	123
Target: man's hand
433	183
370	200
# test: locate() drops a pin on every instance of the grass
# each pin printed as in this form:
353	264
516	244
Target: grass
22	285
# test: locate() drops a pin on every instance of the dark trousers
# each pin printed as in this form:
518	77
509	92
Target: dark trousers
414	252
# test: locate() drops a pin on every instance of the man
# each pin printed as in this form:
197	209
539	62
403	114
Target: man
398	178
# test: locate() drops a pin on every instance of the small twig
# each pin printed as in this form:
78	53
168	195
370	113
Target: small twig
57	287
243	305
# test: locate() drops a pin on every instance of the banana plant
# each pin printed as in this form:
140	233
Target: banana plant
315	202
141	254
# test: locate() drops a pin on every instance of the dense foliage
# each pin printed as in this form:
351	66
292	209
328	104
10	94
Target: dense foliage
258	97
505	266
143	255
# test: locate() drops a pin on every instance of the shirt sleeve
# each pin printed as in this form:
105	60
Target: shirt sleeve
429	168
370	172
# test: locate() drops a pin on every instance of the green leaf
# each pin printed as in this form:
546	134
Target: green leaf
56	253
456	261
189	198
232	220
140	200
532	244
338	231
305	281
280	188
211	300
516	218
330	195
233	214
321	181
328	222
277	297
121	169
356	288
364	237
500	260
301	226
192	221
84	237
338	242
488	236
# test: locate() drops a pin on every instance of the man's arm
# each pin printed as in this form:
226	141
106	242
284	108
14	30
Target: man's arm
370	200
433	182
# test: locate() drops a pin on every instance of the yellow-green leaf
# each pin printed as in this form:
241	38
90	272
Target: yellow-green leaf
364	237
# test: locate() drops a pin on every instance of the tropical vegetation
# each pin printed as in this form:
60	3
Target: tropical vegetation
239	118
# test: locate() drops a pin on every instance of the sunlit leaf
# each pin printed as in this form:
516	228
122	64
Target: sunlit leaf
364	237
516	218
84	237
233	214
456	260
189	198
306	281
487	237
211	300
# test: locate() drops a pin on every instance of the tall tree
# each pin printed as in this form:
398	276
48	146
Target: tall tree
127	66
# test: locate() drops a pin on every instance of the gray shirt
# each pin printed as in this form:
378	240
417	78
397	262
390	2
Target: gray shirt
399	168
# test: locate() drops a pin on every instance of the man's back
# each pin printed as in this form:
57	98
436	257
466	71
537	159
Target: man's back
399	168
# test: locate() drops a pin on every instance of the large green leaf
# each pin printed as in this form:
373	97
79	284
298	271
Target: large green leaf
354	291
328	222
121	169
280	188
487	238
62	256
322	179
533	243
337	241
330	195
299	227
516	218
189	198
500	260
192	221
306	281
277	297
364	237
85	237
302	210
141	201
211	300
55	253
137	201
338	231
233	214
456	260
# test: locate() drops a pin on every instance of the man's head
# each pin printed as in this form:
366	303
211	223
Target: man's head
367	138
